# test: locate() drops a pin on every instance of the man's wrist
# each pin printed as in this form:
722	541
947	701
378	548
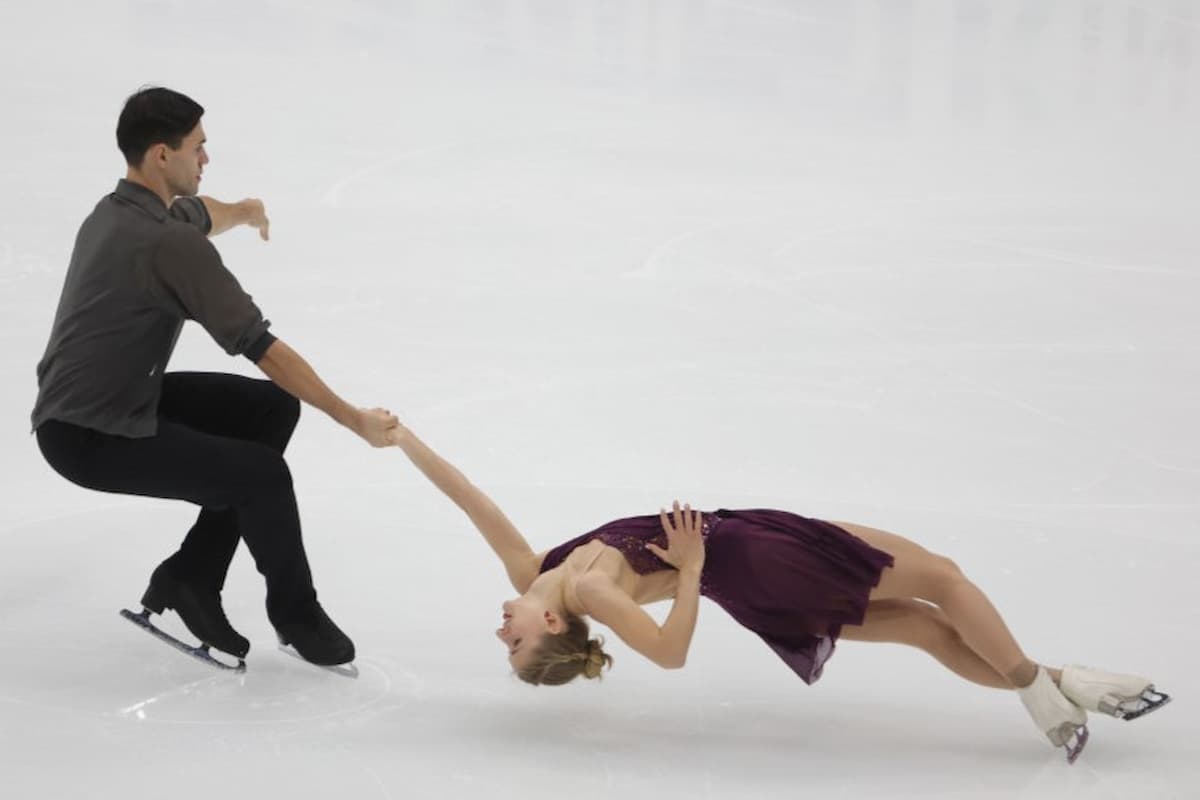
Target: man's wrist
242	212
345	415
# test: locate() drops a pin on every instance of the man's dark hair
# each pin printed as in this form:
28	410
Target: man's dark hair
155	115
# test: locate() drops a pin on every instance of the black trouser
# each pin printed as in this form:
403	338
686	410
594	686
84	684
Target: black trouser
219	445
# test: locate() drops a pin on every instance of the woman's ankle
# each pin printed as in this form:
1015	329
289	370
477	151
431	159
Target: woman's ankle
1023	674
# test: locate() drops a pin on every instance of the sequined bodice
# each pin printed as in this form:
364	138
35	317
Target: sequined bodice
630	536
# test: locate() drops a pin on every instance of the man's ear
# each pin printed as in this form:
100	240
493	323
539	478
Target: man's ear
157	154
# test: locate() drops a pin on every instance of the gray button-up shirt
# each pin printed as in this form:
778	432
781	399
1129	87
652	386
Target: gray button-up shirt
137	272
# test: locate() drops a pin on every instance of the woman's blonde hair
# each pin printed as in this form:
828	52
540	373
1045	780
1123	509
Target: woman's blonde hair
562	657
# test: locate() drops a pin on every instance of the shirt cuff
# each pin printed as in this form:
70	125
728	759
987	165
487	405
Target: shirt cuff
256	351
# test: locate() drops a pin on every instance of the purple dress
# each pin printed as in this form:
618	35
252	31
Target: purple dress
792	580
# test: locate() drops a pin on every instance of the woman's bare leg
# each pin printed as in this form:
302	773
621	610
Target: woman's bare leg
921	574
927	628
917	573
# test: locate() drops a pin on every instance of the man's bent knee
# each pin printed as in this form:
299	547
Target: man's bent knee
264	473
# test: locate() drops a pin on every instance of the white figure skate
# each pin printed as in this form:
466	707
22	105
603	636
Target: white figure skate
1121	696
1063	722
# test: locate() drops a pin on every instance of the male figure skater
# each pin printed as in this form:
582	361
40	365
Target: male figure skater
110	417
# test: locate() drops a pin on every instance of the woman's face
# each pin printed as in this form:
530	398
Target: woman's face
523	623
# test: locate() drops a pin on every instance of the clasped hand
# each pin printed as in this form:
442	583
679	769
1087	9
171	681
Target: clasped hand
376	426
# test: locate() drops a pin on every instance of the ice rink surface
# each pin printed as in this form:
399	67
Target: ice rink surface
930	266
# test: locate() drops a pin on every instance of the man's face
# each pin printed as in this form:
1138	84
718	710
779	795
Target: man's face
182	167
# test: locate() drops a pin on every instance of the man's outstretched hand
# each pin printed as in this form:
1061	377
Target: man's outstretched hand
255	215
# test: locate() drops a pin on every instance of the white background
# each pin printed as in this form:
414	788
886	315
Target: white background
927	265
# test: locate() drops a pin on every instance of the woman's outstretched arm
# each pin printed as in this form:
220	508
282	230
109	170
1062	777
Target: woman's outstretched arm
520	562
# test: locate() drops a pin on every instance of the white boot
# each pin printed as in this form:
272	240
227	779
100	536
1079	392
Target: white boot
1055	715
1120	696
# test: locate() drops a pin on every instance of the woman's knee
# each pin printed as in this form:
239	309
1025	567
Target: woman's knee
906	621
948	568
930	630
941	576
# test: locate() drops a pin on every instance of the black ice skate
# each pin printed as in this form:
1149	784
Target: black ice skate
200	609
315	638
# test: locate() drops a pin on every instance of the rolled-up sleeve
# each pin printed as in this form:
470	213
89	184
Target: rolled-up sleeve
258	349
188	277
192	211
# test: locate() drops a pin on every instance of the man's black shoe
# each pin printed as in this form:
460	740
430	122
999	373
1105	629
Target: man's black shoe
199	608
316	638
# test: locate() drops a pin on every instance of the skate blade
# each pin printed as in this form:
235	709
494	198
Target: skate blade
200	653
1143	704
1071	737
345	670
1076	747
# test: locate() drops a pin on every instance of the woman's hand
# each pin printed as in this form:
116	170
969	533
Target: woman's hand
685	544
398	435
375	425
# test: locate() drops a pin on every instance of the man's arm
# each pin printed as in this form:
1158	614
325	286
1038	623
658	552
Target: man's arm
244	212
293	374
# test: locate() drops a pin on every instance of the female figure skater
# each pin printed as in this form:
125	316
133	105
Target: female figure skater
799	583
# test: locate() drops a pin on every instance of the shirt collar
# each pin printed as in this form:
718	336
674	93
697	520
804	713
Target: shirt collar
141	197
